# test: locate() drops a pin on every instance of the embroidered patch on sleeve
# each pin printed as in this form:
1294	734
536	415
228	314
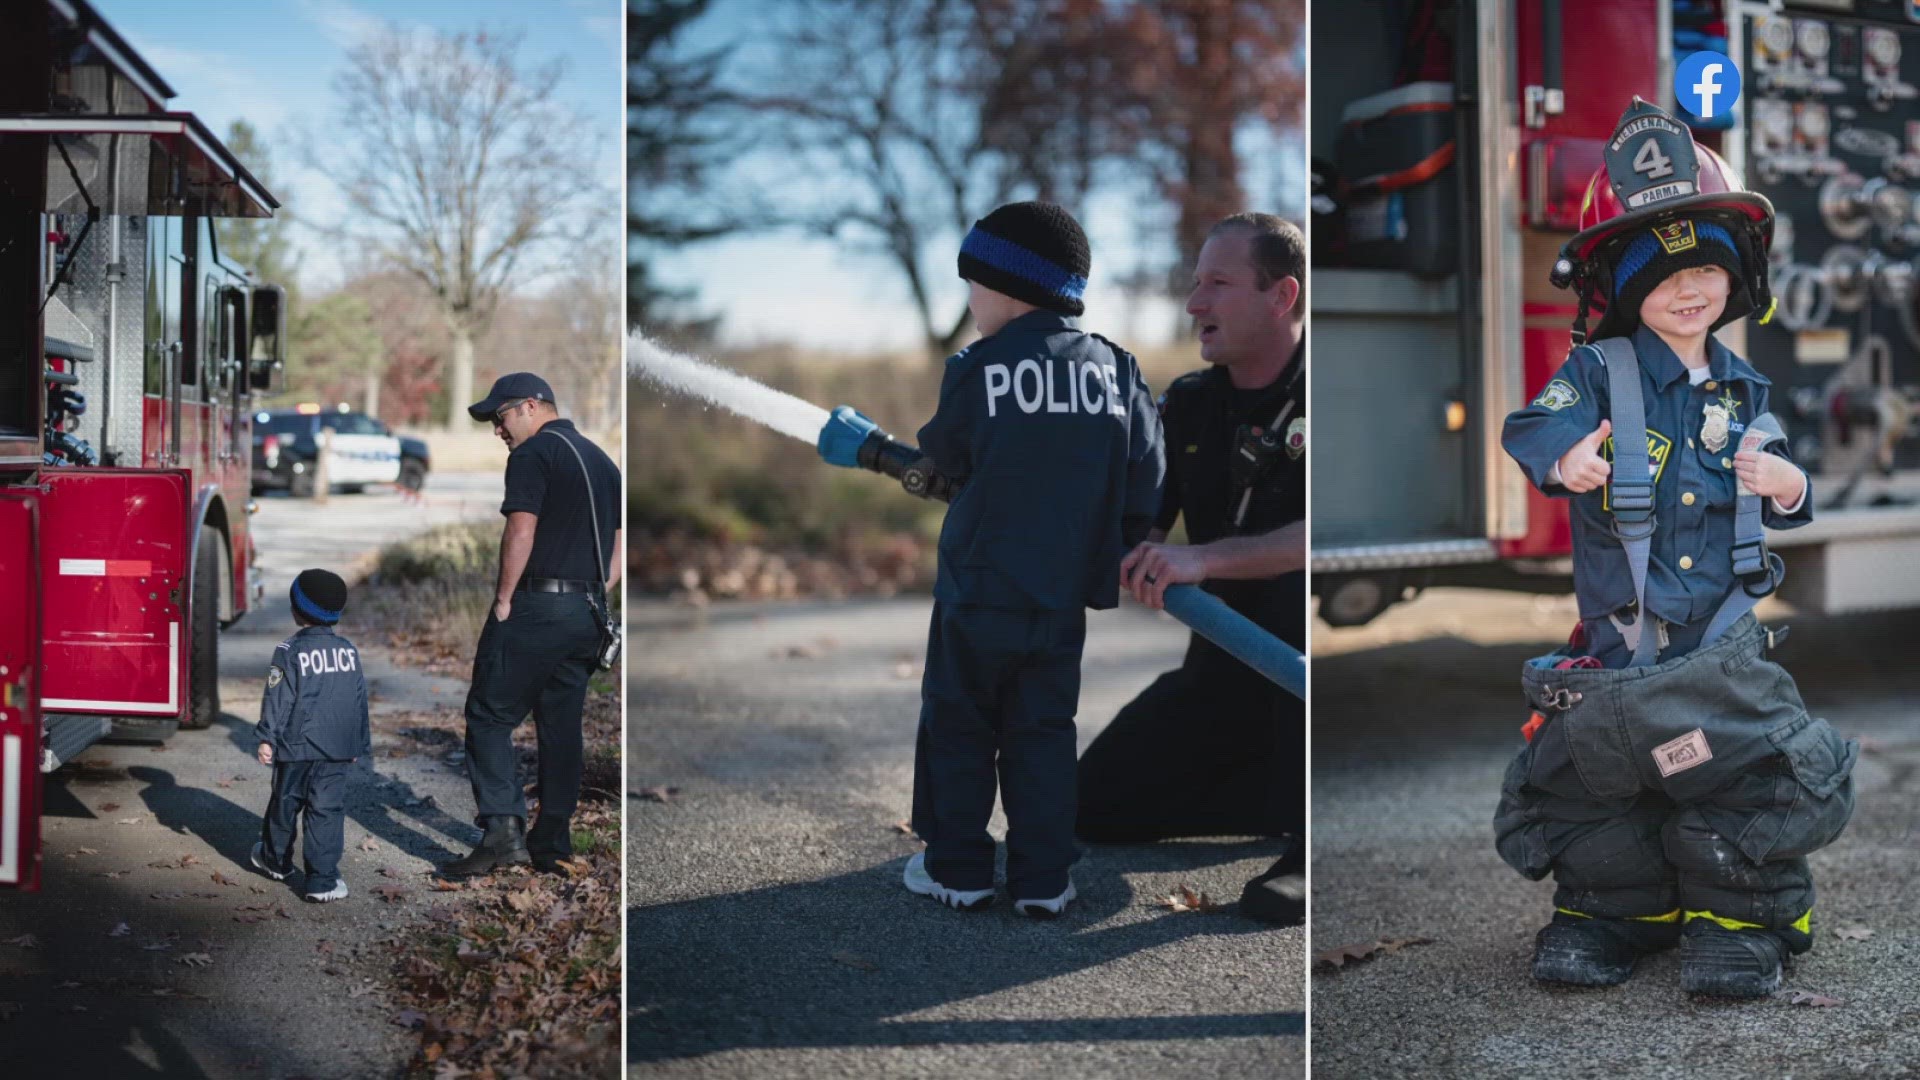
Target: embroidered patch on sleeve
1557	395
274	675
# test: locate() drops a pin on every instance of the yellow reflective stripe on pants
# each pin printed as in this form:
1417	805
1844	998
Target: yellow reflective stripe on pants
1670	917
1803	924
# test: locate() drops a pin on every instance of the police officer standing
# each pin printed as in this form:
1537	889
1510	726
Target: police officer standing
1212	747
558	557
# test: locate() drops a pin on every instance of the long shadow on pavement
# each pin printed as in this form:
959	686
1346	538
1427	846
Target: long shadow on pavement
832	962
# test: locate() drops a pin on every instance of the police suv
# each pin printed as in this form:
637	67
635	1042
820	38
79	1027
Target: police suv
286	446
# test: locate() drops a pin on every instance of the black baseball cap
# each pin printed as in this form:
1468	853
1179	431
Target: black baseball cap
515	387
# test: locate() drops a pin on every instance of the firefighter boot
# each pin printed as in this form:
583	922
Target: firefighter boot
505	844
1586	951
1730	963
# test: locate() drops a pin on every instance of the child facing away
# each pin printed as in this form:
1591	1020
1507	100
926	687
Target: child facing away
313	727
1054	442
1672	782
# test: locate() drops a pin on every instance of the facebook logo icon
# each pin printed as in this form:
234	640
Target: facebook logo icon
1706	84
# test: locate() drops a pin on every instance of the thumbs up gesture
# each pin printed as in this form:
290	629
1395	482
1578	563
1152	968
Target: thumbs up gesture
1582	468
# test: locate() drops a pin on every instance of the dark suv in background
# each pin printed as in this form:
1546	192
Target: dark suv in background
286	441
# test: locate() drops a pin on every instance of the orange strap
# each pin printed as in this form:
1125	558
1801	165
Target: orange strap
1532	725
1419	173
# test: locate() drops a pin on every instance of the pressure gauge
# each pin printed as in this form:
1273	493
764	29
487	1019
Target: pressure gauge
1772	125
1814	124
1883	48
1812	37
1890	204
1774	38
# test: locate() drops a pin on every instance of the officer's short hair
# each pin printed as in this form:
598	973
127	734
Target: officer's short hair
1279	247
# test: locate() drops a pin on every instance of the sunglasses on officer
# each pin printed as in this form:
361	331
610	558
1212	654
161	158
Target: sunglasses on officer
500	414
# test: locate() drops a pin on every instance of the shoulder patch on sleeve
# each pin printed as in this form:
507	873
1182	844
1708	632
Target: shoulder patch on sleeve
274	675
1557	395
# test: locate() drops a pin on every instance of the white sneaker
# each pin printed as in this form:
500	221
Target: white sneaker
921	883
1046	909
338	892
260	863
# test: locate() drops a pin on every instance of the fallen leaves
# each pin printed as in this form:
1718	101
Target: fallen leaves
128	821
24	941
1809	998
1183	898
368	843
222	879
180	863
1347	955
392	894
1852	933
658	794
196	959
904	828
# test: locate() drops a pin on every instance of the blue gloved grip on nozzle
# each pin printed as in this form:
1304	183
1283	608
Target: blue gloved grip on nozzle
842	436
1211	618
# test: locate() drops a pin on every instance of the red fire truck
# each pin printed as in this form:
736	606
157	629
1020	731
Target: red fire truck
1455	139
130	345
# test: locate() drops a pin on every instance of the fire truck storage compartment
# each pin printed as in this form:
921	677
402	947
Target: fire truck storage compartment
113	583
1395	159
19	692
1386	465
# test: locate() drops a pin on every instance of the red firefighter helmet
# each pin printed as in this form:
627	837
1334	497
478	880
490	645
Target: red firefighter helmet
1654	173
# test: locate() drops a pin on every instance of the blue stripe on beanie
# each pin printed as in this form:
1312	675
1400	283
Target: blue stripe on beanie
306	606
1010	257
1644	247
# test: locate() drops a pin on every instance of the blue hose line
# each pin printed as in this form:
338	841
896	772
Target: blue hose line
1211	618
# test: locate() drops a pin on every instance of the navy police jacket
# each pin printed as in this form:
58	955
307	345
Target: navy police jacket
1056	439
1691	568
315	708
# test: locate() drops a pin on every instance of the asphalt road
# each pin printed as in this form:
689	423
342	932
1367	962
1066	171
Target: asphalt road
153	948
769	935
1414	720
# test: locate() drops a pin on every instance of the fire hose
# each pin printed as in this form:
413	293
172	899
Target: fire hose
851	439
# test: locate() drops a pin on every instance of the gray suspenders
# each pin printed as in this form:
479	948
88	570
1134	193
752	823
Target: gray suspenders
1633	514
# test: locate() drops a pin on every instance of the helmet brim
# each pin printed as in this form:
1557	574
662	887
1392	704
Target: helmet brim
1748	205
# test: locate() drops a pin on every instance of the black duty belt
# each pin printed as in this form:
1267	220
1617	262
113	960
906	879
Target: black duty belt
556	585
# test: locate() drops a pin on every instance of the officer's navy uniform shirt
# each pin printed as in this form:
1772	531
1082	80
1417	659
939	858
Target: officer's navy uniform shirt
1054	434
544	479
1202	412
1694	488
315	708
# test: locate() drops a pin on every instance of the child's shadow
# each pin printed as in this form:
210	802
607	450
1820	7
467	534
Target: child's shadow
883	968
224	825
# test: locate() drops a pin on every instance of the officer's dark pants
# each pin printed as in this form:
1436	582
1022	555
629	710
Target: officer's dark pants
1000	692
538	662
317	791
1212	748
1751	785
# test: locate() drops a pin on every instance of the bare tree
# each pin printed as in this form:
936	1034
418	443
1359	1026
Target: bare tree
459	168
879	98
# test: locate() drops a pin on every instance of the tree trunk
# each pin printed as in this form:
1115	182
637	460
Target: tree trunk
459	375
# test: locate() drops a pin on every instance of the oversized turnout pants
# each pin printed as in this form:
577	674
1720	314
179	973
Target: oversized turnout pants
997	703
1691	789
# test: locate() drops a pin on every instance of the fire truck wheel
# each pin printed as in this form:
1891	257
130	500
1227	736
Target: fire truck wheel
413	475
203	686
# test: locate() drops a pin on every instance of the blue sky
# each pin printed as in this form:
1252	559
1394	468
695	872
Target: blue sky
788	287
272	63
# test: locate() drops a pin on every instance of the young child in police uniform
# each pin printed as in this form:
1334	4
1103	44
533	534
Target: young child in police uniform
1053	438
1672	783
313	727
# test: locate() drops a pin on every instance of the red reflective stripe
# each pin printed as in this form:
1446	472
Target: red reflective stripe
129	568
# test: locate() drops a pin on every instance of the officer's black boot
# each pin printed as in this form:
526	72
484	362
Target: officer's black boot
1730	963
1279	895
505	844
1581	951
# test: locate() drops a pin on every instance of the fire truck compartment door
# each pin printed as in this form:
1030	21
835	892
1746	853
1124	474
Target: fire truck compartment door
114	547
19	692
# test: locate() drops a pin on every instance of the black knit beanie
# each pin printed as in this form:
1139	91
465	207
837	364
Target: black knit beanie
1650	256
319	595
1032	251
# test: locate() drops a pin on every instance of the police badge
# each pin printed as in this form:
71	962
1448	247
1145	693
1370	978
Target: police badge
1297	438
274	676
1713	430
